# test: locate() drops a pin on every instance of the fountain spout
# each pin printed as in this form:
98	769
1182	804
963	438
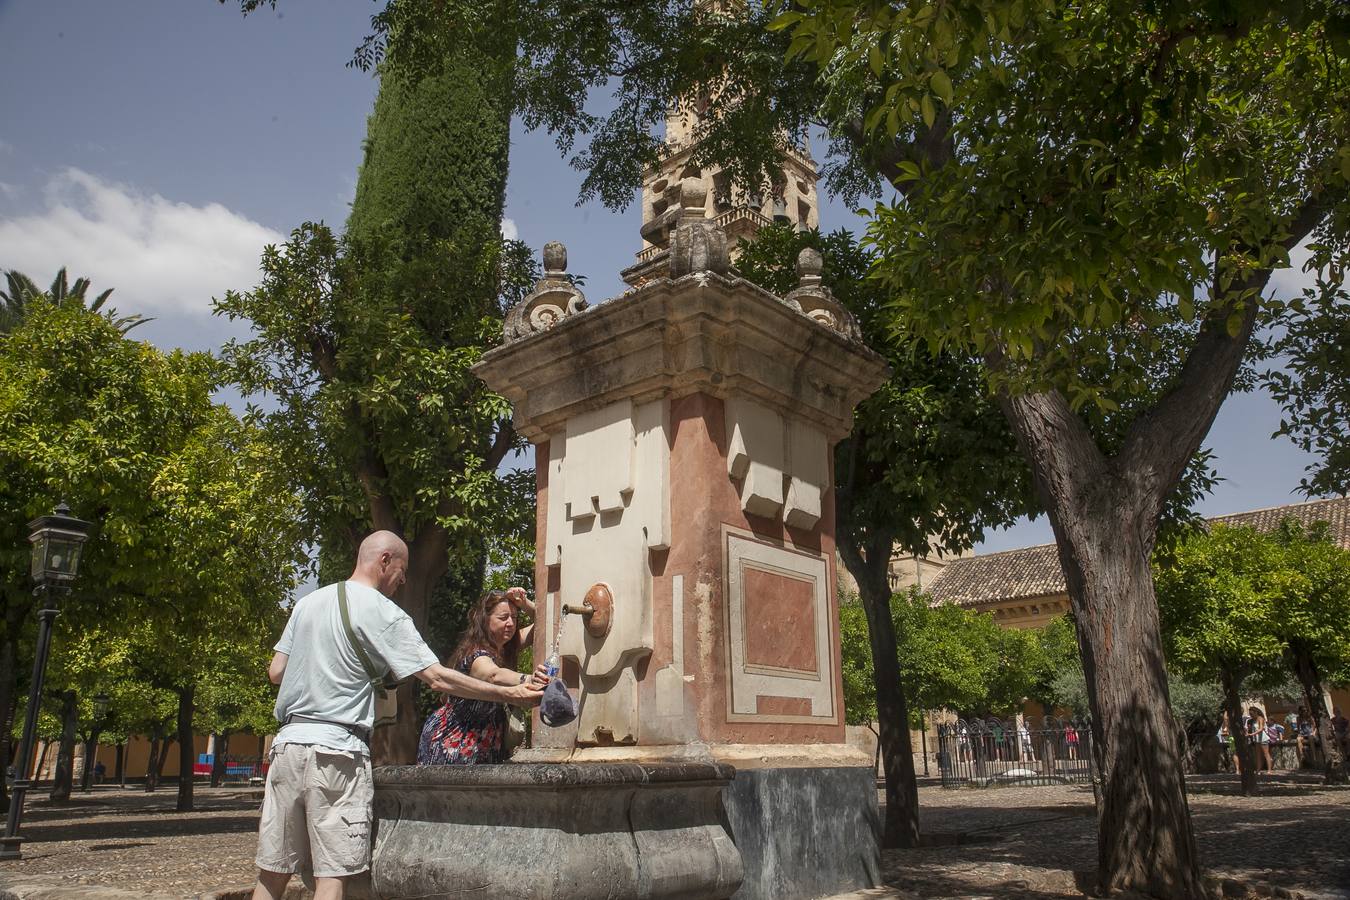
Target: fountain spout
596	610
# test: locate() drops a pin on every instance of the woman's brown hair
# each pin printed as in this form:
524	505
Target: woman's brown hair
476	636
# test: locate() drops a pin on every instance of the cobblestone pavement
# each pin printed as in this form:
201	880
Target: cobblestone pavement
1027	842
135	841
1015	842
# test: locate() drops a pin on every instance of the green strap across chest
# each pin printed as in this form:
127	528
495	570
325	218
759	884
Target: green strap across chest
351	635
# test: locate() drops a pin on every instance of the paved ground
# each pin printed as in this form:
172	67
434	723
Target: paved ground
1028	842
1017	842
135	841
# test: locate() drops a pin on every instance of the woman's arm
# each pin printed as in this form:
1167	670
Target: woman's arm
484	669
521	601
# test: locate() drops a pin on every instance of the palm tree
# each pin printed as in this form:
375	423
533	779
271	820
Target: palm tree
22	291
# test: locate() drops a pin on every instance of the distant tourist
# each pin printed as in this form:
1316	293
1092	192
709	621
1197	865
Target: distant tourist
1229	744
1071	740
1256	734
316	809
463	731
99	771
1306	735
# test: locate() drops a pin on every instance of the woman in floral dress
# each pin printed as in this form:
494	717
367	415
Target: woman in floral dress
467	732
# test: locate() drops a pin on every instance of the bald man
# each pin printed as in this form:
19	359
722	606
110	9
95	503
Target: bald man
317	805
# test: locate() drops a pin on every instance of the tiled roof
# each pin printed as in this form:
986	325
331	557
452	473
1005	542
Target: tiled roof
1035	571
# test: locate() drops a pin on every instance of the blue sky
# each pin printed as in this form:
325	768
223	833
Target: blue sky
156	146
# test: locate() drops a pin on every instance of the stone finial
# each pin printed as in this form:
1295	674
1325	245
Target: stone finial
555	260
698	245
693	198
809	266
815	301
554	298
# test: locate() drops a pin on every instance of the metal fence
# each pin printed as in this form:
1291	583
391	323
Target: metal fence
1034	750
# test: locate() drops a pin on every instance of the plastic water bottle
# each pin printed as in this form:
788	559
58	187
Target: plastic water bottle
554	661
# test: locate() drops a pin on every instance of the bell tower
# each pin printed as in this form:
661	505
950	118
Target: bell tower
787	198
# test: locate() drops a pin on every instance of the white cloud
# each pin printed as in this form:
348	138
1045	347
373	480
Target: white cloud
162	257
509	230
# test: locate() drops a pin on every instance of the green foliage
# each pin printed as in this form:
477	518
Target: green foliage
1217	595
1192	702
860	696
1252	604
195	545
364	342
1068	222
378	419
1312	617
954	658
1314	385
23	291
435	161
930	461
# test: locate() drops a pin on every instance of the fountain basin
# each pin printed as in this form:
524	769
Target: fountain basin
591	831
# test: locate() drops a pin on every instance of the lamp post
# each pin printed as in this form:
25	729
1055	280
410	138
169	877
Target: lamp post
57	542
91	747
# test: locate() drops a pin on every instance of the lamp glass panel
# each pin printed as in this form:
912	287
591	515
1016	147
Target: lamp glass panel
63	557
39	557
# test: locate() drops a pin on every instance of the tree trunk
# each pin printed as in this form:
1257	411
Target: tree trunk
897	755
65	760
868	568
1146	842
1104	513
1333	765
120	773
150	777
186	758
1232	704
9	655
218	763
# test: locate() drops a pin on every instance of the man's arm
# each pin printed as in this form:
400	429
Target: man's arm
277	667
448	681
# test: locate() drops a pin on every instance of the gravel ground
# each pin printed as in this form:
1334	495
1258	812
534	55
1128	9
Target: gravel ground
1016	842
132	840
1027	842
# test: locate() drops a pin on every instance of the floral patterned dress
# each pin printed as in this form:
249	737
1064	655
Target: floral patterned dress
464	732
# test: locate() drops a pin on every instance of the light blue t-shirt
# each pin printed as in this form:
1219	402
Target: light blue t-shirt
324	678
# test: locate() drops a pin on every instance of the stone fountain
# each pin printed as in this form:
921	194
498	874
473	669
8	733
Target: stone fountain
683	437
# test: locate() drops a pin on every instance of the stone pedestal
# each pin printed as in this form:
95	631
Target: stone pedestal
683	436
538	832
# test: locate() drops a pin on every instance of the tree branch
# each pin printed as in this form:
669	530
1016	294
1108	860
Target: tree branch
933	146
502	442
1162	440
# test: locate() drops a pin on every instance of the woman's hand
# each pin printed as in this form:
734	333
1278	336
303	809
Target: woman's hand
520	600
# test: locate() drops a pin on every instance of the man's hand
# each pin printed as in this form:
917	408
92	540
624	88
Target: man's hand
524	695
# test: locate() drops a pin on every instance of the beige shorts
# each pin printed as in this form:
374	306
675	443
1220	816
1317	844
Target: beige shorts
316	812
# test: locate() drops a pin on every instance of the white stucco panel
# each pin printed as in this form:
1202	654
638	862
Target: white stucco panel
614	473
755	455
600	468
808	461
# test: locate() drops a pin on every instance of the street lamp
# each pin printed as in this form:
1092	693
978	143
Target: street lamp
58	541
91	747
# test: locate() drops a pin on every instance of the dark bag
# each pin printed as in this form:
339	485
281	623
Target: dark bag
557	708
